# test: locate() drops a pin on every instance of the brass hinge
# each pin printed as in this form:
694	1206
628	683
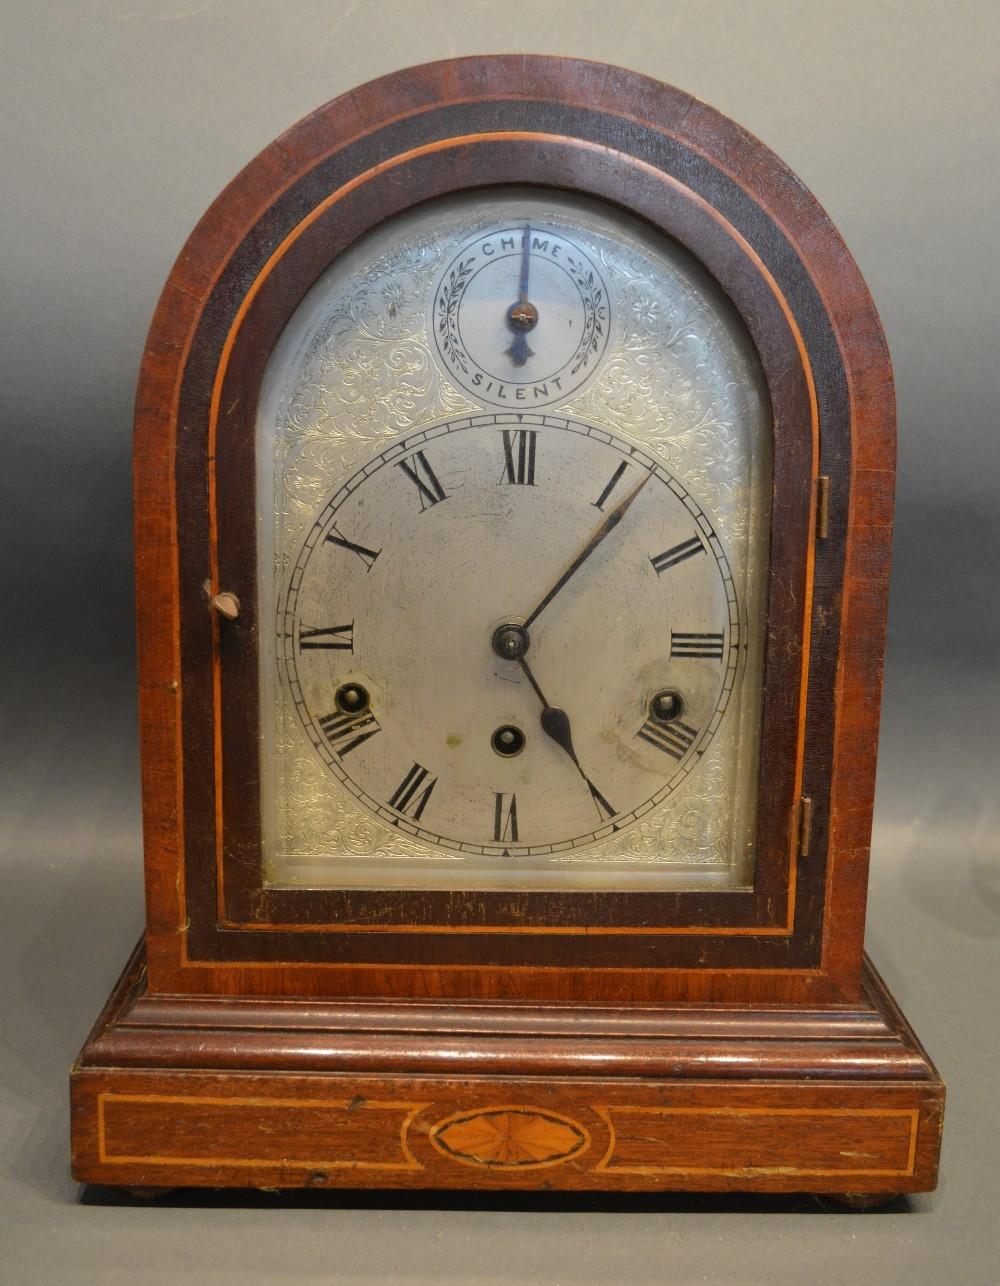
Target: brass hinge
823	506
805	824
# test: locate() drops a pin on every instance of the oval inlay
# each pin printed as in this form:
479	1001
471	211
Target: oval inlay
509	1138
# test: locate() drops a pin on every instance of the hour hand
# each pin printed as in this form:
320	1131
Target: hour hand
555	724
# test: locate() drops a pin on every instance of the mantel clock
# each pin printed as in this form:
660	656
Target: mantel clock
514	471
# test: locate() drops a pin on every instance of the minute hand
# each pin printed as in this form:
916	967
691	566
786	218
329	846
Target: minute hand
605	529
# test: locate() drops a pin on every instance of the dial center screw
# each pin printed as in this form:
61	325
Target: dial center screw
522	316
511	642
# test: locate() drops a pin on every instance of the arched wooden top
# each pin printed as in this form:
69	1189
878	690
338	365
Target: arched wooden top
685	168
513	84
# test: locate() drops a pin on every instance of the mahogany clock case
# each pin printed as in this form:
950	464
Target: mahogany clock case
213	924
402	1036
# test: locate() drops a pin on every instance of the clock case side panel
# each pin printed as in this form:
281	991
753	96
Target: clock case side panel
584	106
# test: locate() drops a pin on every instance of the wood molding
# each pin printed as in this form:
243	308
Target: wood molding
173	1091
454	1038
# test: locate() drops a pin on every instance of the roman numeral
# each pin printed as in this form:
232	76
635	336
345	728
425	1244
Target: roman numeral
603	807
367	556
504	822
616	477
519	456
671	557
701	645
345	732
406	800
674	738
335	637
425	479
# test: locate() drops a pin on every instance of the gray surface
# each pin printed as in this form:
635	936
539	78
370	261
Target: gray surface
119	122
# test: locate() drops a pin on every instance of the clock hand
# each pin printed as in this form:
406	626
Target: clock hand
522	316
605	529
555	724
525	265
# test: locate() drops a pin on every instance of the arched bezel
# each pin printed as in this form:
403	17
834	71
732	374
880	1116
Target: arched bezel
213	925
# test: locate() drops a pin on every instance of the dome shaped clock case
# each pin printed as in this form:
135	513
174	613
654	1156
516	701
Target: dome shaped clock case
514	469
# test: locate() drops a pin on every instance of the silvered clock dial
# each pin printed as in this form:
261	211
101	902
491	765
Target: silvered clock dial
515	446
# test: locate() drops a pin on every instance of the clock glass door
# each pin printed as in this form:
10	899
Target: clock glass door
514	479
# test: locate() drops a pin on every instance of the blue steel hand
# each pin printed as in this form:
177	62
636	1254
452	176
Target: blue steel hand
522	316
555	724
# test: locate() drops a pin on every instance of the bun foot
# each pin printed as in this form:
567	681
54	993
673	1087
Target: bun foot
859	1200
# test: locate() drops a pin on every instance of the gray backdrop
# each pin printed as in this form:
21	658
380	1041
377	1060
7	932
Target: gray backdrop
120	120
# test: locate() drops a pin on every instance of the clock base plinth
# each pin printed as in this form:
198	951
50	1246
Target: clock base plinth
230	1092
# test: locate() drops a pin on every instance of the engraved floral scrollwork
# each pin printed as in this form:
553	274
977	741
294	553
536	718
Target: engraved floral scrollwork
448	302
670	380
595	313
